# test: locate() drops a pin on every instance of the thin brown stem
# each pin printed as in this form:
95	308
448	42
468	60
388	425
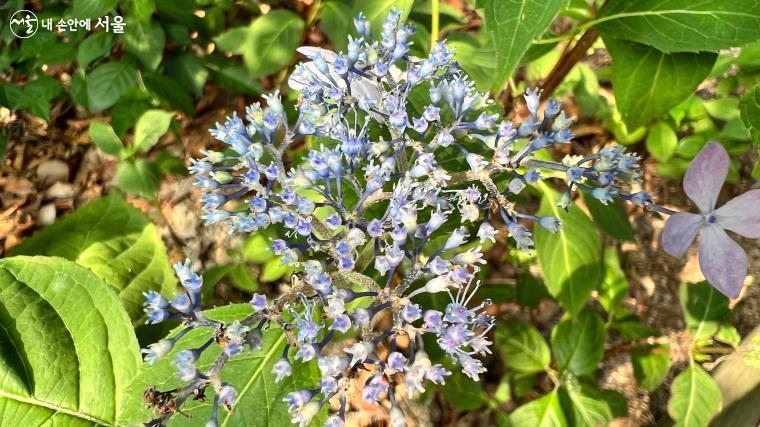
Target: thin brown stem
568	61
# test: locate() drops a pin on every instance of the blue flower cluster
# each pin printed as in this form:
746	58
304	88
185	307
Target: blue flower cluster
409	174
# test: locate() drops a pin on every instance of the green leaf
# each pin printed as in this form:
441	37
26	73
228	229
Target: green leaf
138	176
169	92
705	309
69	350
94	47
377	10
149	128
128	109
749	108
273	270
570	257
695	398
114	240
525	350
513	25
578	343
256	249
478	59
662	141
259	400
242	278
585	406
542	412
337	22
651	362
690	146
93	8
142	9
107	83
615	285
189	70
611	218
463	393
271	42
105	138
682	25
233	40
724	109
648	83
145	41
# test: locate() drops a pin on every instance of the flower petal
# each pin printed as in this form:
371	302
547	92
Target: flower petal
741	214
722	261
706	175
680	230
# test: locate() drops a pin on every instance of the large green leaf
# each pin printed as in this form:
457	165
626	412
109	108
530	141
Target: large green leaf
259	400
611	218
271	41
695	397
145	40
649	82
705	309
105	138
94	47
107	83
749	107
513	25
151	125
682	25
93	8
117	242
68	348
585	406
337	17
524	348
614	288
138	176
569	258
542	412
578	343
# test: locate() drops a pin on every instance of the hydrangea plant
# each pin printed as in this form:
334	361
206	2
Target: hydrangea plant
381	211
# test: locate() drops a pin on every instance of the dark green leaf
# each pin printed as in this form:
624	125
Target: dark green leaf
69	350
189	70
94	47
578	343
525	350
142	9
648	82
749	107
513	25
93	8
615	285
105	138
242	278
611	218
169	92
145	40
682	25
138	176
259	400
128	109
570	258
695	397
651	364
705	309
114	240
107	83
463	393
337	22
585	406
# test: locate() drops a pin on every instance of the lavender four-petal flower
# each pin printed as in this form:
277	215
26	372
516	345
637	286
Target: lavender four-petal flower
722	261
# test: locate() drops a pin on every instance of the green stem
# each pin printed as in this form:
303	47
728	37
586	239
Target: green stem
434	24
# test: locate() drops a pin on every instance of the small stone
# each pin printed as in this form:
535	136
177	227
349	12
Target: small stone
60	190
52	170
46	215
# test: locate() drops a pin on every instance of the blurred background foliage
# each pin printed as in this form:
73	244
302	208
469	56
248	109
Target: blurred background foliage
617	333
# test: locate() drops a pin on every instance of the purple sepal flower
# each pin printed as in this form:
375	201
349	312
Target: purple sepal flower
722	261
